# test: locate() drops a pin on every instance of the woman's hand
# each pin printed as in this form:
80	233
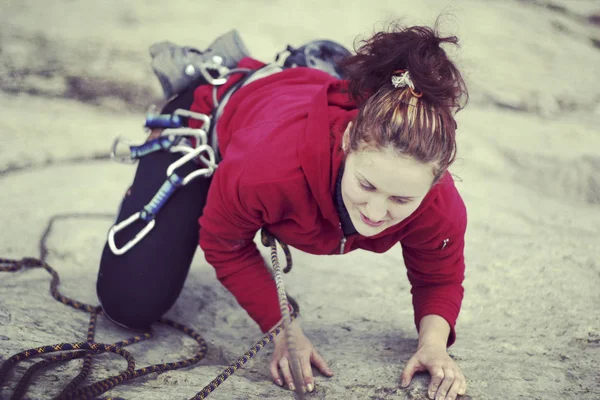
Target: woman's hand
280	361
447	380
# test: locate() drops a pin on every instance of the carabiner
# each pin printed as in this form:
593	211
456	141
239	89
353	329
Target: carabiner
199	134
147	214
117	151
137	152
222	70
194	115
210	163
122	225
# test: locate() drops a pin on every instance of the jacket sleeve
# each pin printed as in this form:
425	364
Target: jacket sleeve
228	225
434	258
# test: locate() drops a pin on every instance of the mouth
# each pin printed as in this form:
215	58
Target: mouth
368	222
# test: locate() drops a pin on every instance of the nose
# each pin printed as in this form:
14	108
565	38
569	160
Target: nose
376	209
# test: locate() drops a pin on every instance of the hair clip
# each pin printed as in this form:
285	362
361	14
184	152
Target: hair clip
403	80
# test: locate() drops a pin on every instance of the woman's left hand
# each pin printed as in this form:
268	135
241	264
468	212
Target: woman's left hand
447	380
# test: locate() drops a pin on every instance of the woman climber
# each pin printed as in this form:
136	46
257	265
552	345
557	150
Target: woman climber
327	166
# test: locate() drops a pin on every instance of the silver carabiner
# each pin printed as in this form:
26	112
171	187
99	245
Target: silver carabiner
194	115
210	163
199	134
116	151
122	225
201	139
222	70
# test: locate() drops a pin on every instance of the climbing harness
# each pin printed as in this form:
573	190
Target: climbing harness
174	66
90	348
194	143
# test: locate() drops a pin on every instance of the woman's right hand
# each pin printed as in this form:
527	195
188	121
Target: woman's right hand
280	366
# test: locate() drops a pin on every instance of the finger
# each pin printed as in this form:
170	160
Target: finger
463	387
446	384
309	381
462	381
321	364
453	392
409	371
284	366
437	376
297	374
274	368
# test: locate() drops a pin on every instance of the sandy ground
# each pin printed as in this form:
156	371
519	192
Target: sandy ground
74	74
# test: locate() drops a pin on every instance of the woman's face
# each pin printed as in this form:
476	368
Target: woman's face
380	188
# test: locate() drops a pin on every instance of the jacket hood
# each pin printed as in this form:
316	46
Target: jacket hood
320	148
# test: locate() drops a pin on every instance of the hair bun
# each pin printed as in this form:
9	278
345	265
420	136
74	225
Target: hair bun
416	49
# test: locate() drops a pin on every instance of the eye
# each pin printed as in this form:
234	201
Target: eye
366	186
400	200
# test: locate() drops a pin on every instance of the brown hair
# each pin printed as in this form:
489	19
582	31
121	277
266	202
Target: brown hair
420	127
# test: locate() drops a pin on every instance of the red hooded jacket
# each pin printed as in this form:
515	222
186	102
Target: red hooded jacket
280	138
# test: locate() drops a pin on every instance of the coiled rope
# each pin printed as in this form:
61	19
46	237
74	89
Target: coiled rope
86	350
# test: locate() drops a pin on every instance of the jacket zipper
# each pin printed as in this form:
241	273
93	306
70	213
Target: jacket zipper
343	244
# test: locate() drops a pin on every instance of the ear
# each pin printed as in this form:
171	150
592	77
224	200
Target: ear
346	138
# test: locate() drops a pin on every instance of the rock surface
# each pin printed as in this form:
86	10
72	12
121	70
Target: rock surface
73	75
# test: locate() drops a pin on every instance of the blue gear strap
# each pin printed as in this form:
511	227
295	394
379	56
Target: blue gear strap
163	121
160	143
161	197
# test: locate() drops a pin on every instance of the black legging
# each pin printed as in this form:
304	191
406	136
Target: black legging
138	287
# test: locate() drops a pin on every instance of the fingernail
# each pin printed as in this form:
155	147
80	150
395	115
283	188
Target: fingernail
279	382
292	387
310	387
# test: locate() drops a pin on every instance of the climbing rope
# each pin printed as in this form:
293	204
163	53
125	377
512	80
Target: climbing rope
90	348
270	241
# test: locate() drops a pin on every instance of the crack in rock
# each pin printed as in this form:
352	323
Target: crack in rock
43	241
538	104
89	72
32	166
592	19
